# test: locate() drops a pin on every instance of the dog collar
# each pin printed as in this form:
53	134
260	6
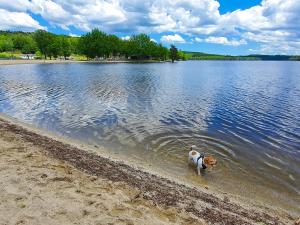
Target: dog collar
201	156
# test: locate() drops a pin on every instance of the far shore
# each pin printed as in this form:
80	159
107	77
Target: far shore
54	61
41	177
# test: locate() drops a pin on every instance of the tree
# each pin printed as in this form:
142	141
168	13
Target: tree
161	52
124	48
29	46
6	44
44	40
173	53
54	48
140	46
94	44
19	41
65	47
182	55
74	45
113	45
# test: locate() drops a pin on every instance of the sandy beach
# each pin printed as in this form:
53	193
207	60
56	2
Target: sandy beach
38	189
39	61
46	181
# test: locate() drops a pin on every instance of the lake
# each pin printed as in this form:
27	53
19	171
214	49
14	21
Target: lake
245	113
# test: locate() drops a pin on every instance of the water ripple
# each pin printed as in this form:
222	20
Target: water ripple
247	114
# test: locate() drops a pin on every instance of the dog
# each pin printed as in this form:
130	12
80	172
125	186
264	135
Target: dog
200	160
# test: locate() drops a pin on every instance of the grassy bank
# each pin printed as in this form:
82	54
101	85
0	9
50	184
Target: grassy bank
10	55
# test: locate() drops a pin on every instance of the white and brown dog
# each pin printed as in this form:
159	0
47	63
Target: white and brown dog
200	160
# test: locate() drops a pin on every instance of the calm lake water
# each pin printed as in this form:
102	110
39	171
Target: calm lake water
245	113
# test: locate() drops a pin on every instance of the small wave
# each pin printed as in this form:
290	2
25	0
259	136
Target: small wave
273	166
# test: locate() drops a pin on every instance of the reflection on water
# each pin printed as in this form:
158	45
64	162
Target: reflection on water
245	113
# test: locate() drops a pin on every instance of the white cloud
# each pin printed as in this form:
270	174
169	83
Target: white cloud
172	38
74	35
17	21
221	40
121	15
196	39
51	11
125	38
274	24
185	16
272	21
81	14
16	5
153	40
278	49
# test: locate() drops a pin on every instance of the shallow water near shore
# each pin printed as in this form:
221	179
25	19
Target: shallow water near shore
247	114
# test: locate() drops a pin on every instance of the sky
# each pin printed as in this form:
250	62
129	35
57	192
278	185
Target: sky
232	27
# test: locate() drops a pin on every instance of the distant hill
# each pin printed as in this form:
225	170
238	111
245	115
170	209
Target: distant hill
206	56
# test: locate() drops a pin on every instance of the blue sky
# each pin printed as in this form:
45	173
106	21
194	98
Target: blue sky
235	27
232	5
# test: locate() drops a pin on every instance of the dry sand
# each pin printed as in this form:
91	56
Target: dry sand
45	181
37	189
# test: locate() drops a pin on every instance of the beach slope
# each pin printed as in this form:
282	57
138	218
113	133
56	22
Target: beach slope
46	181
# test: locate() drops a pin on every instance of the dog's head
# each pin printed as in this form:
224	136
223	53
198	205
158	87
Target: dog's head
209	161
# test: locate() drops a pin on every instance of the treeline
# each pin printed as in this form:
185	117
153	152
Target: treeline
21	41
51	45
99	44
93	45
41	43
205	56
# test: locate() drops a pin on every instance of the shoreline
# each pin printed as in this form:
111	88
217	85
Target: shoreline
41	61
38	189
7	62
160	191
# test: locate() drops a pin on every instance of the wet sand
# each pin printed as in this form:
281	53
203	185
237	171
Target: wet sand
47	181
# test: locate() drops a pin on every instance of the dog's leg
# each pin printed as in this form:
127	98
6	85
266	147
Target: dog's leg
198	169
